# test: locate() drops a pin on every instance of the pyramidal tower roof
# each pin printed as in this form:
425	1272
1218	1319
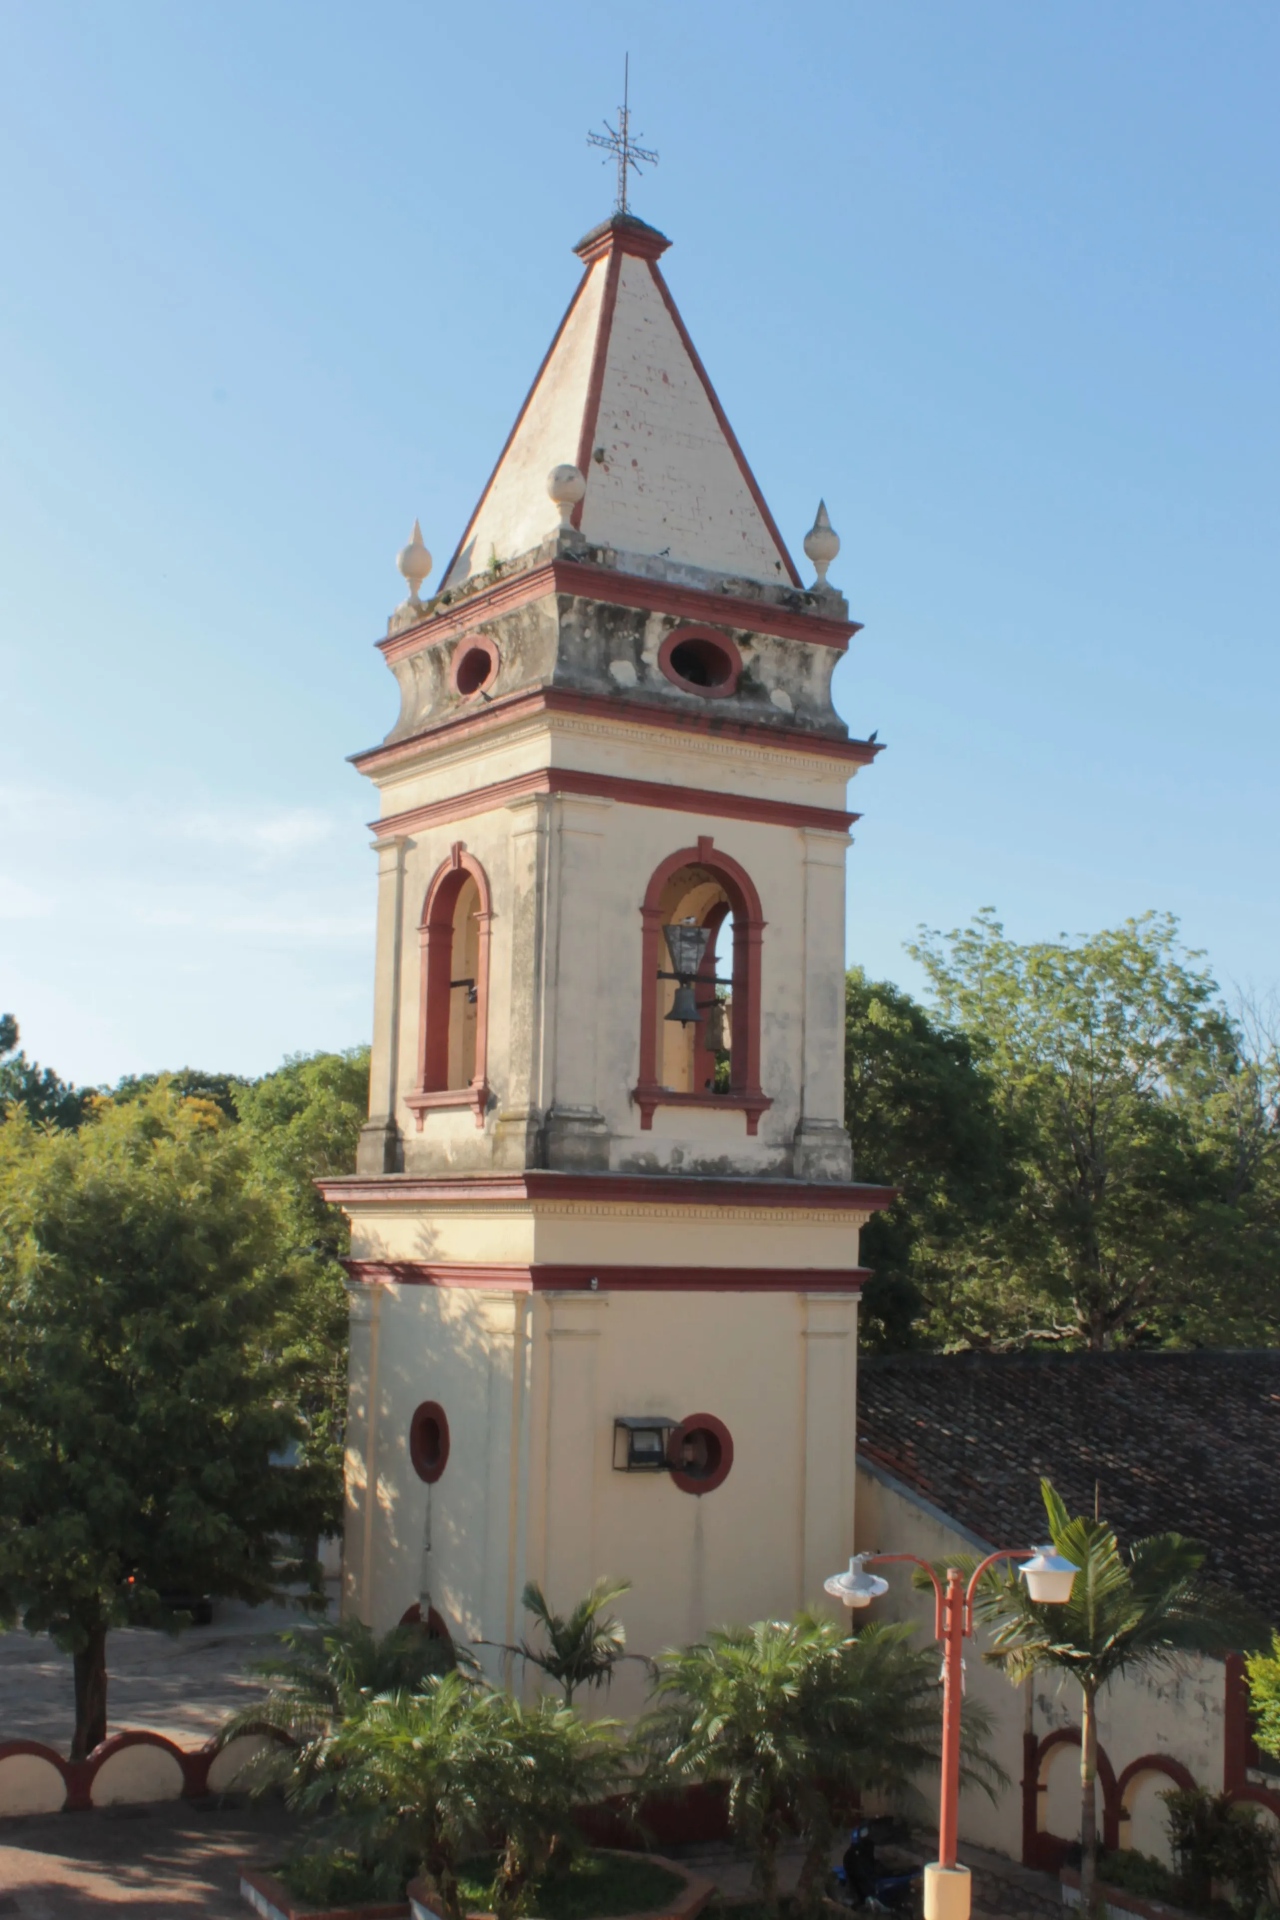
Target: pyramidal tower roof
623	396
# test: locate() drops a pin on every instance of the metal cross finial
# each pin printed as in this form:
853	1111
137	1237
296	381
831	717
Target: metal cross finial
619	143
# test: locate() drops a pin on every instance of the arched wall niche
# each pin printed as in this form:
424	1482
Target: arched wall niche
453	1006
682	1066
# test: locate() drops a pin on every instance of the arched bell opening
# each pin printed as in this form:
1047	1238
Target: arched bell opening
700	1011
695	1009
454	937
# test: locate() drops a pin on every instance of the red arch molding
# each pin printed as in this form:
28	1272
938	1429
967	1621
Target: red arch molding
79	1775
746	1094
1048	1850
435	936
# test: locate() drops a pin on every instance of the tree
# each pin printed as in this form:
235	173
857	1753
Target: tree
795	1718
300	1124
922	1117
1264	1694
580	1649
143	1393
36	1090
1128	1613
431	1776
321	1677
1147	1141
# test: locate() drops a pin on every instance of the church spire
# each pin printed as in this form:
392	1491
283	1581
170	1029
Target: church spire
623	395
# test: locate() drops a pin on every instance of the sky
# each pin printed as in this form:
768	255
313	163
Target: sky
998	281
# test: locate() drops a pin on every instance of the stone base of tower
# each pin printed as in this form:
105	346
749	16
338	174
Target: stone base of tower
529	1316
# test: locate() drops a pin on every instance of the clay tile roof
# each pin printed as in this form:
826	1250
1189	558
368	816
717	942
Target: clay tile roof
1183	1441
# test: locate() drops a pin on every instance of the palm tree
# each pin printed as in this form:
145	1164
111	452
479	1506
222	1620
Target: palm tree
321	1677
795	1718
559	1764
1128	1612
412	1778
424	1779
581	1649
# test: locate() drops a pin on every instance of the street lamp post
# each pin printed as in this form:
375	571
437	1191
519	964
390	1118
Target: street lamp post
1049	1578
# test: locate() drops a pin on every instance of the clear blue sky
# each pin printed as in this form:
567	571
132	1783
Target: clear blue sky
999	280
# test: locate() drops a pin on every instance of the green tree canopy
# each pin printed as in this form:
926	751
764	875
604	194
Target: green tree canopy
922	1116
298	1125
144	1390
35	1090
1146	1136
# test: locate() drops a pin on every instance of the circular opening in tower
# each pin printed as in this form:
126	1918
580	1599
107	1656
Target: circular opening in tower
701	1453
429	1441
474	665
702	663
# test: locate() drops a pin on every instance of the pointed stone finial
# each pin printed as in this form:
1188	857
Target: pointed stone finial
414	563
822	543
566	487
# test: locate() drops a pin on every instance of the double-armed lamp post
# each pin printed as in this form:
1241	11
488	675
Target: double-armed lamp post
1049	1578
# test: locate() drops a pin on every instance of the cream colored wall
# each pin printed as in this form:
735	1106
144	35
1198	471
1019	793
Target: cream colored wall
1178	1714
729	1239
568	876
531	1387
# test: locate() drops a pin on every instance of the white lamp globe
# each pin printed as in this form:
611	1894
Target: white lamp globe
855	1588
1048	1576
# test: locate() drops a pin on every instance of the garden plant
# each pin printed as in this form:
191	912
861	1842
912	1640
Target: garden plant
1128	1613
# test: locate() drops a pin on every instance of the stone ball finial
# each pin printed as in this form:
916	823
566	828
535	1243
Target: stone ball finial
566	487
414	563
822	543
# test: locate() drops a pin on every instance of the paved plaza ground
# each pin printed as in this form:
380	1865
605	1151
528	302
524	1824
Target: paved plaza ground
181	1860
183	1685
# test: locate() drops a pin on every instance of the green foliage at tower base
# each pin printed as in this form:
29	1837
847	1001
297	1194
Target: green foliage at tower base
148	1385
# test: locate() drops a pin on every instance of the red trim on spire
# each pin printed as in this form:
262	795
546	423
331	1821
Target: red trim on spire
595	385
725	428
506	445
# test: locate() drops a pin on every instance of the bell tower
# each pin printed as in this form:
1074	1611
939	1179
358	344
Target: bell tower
604	1268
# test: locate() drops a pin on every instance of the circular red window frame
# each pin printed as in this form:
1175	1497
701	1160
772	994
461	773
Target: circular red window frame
721	641
428	1468
470	644
701	1483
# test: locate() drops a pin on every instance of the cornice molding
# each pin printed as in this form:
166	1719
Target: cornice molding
612	787
581	579
711	725
610	1190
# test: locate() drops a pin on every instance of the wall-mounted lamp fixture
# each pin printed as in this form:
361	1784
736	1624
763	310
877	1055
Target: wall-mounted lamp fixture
640	1442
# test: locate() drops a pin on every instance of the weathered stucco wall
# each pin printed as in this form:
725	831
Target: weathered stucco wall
532	1386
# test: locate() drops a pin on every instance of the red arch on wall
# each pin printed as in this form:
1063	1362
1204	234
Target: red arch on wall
748	934
435	937
1047	1850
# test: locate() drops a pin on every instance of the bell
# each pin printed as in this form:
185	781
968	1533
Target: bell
684	1007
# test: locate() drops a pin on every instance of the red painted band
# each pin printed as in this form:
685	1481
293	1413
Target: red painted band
555	700
606	786
595	383
544	1278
